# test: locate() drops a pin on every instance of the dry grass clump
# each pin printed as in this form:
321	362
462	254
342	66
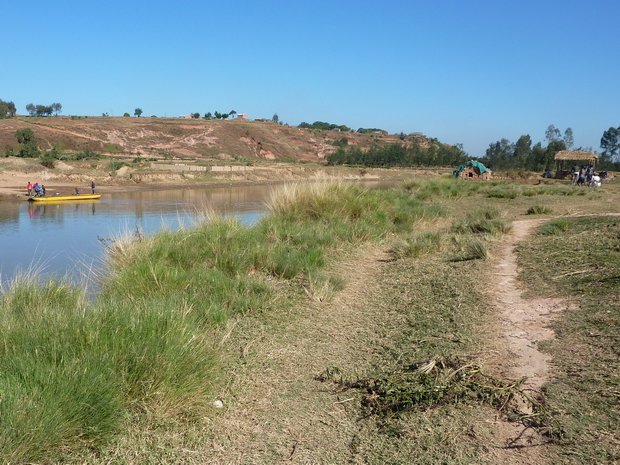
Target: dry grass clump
308	200
485	220
417	244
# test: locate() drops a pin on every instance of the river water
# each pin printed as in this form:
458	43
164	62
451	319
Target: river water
67	238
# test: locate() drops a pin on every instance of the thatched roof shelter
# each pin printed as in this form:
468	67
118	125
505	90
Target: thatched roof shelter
576	155
565	159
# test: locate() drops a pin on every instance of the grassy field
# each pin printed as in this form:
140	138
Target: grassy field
347	326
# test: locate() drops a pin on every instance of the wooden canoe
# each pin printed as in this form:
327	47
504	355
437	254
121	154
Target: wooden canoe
59	198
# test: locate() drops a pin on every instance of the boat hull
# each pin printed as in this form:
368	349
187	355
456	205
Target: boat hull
65	198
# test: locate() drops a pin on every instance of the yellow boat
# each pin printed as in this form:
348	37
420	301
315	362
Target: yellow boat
58	198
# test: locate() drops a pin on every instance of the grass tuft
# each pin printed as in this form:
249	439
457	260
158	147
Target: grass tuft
539	210
555	227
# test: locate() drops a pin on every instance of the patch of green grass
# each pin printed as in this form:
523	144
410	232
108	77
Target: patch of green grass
555	226
72	369
502	193
417	244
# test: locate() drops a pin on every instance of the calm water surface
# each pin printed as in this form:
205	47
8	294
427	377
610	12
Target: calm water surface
65	237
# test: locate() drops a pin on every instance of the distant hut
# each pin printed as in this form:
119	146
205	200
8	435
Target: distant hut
566	160
473	171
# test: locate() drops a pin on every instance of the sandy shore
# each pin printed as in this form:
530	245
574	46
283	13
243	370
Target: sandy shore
15	188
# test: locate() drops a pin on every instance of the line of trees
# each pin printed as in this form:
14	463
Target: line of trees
217	115
324	126
338	127
522	155
43	110
399	155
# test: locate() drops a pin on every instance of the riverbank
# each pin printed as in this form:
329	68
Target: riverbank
65	177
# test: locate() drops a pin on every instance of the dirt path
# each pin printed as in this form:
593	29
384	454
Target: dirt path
523	324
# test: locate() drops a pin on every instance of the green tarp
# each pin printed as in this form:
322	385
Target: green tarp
473	164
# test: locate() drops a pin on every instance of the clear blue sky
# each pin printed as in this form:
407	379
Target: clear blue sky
470	72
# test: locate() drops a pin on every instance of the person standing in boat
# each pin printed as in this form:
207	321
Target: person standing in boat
29	187
92	186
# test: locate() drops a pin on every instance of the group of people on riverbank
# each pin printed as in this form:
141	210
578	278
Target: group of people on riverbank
36	190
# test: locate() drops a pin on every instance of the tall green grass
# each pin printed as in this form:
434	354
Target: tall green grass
71	368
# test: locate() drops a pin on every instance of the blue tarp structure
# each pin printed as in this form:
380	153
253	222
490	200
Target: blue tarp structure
474	164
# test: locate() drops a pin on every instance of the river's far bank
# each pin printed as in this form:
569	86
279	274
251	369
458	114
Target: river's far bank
16	173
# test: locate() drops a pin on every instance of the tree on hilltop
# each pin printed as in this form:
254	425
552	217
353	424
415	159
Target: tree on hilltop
7	109
137	112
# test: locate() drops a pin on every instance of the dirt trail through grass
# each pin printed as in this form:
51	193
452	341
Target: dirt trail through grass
280	413
523	324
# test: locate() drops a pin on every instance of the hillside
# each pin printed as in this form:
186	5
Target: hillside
131	153
182	138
